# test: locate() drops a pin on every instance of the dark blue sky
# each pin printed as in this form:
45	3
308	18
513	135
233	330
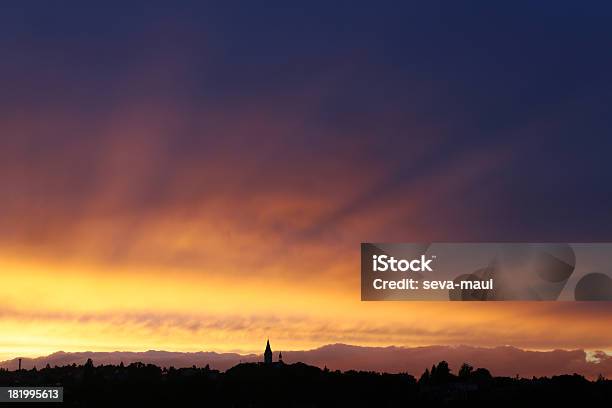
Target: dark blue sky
410	92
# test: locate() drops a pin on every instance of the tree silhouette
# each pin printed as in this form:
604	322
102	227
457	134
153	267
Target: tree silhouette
465	370
440	374
424	377
301	385
89	364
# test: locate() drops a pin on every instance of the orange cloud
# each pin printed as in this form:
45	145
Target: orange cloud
211	230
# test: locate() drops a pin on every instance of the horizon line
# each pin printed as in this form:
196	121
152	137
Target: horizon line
253	353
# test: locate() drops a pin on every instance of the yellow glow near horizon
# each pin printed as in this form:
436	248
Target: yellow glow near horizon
50	307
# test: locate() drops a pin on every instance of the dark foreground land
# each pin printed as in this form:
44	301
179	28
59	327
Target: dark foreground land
301	385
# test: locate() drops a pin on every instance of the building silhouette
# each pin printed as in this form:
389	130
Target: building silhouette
268	353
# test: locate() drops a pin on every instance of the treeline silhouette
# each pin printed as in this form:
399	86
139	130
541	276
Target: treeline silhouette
301	385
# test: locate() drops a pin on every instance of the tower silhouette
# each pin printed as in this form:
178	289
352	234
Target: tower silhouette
268	353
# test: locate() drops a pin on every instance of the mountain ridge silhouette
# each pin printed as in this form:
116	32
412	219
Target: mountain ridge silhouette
501	360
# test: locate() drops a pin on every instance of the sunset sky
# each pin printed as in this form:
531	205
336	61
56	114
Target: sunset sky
199	177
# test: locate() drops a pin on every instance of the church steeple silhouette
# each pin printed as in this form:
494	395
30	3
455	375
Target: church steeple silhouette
268	353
